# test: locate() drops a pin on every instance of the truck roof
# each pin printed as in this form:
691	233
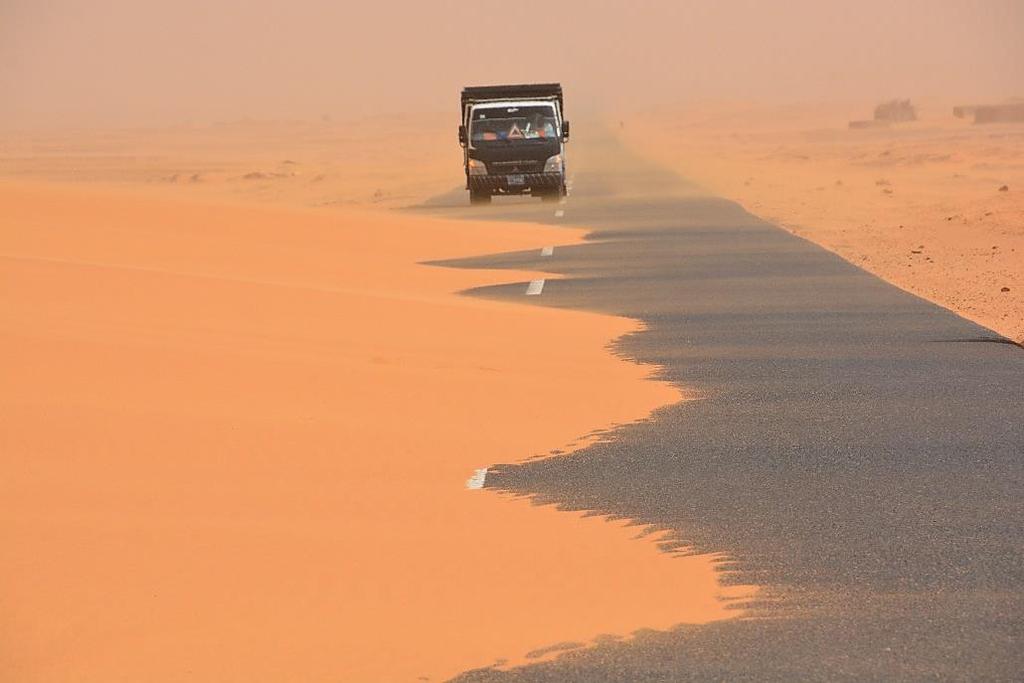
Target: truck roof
523	91
501	104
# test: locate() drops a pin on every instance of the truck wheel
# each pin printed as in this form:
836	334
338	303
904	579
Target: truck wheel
479	197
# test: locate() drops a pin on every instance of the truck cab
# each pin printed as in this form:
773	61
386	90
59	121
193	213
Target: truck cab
513	139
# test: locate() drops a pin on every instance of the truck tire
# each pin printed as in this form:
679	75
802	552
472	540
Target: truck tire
479	197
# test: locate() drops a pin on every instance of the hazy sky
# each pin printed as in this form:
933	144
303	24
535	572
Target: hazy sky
98	62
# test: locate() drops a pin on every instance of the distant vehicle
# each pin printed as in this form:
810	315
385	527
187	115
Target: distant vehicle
513	137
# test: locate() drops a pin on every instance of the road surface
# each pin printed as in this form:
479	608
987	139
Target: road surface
857	451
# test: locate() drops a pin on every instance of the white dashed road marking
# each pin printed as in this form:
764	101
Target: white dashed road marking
547	251
478	479
535	287
559	213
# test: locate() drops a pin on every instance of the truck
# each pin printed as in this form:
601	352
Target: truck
513	139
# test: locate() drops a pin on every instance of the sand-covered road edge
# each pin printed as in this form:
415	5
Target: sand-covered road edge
236	440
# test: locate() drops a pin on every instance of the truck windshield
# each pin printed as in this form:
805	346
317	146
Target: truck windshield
513	124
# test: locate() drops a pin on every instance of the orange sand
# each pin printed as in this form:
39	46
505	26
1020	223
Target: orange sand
235	441
917	204
384	161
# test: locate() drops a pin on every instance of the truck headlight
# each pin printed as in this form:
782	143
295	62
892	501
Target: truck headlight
476	167
553	164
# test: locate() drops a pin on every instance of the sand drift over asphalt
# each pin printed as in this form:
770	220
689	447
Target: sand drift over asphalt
235	444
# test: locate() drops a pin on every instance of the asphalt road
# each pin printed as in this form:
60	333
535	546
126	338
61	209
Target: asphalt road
858	452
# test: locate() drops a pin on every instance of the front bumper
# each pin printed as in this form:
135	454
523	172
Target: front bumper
499	183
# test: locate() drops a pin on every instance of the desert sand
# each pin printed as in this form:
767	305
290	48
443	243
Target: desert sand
236	439
386	161
919	204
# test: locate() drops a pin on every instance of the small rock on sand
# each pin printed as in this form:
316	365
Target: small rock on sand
1004	188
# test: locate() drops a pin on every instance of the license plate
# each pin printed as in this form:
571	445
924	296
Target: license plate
517	180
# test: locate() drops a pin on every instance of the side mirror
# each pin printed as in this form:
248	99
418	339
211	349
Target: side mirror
462	135
565	130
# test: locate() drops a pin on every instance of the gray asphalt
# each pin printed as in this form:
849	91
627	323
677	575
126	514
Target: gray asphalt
857	451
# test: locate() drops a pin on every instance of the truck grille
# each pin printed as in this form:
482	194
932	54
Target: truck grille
522	166
531	181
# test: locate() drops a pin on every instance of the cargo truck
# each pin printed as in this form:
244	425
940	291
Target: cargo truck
513	139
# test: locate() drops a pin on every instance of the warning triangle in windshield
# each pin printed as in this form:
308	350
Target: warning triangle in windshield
515	133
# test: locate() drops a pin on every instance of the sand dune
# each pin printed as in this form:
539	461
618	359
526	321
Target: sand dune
235	441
